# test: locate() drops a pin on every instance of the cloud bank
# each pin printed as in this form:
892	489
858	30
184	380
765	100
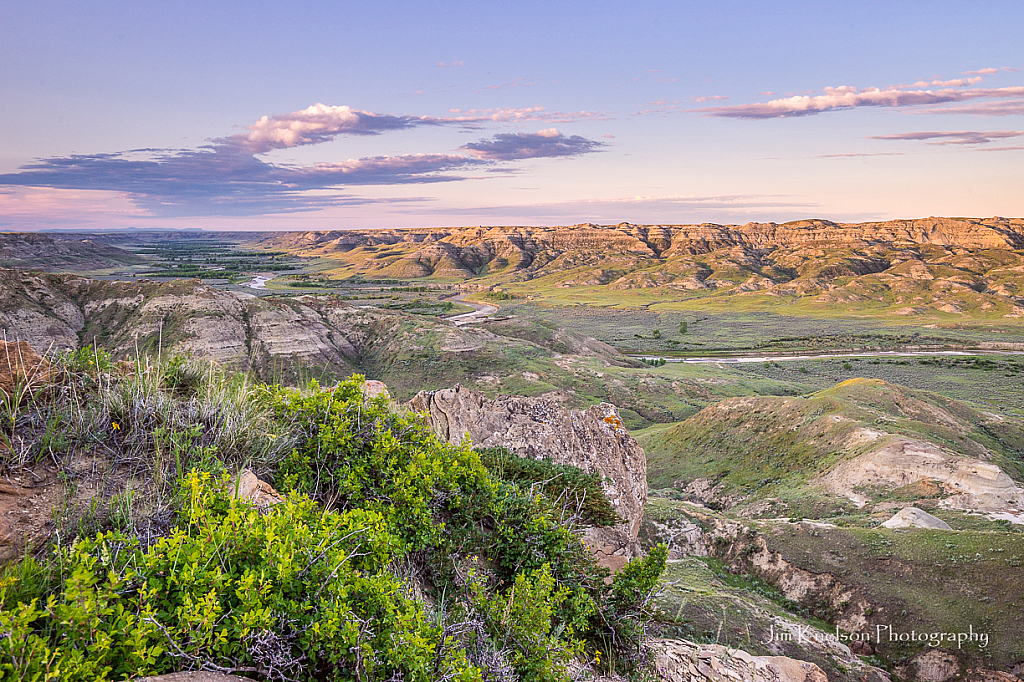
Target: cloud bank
918	94
226	177
544	144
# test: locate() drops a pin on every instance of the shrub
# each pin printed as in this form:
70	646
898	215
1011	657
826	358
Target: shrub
564	485
291	593
323	585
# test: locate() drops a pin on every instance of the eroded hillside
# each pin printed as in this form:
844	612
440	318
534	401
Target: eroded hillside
292	339
31	250
863	447
930	266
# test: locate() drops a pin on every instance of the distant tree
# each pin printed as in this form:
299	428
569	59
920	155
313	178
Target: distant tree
656	333
682	327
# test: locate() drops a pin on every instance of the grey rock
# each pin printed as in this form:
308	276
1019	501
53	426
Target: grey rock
593	440
912	517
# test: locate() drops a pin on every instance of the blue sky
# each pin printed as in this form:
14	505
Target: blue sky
341	115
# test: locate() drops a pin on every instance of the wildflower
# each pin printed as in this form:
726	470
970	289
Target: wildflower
115	425
597	657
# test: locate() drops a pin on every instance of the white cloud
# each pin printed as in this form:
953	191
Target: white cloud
313	125
846	97
923	93
517	115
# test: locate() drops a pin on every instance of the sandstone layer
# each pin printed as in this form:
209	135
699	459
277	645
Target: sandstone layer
970	483
679	660
280	339
926	267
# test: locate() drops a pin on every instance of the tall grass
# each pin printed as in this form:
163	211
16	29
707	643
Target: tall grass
188	409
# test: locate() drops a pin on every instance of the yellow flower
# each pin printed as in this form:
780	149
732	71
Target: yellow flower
597	657
115	425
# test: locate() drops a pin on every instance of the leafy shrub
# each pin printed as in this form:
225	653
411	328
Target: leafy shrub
324	585
87	360
563	484
294	593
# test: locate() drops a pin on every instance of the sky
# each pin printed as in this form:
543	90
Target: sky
346	115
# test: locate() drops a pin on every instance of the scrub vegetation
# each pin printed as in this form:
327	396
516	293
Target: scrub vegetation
391	556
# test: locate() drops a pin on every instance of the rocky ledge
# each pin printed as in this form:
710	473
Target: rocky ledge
593	440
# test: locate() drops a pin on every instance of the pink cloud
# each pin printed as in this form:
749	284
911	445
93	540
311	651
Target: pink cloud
711	98
954	83
48	206
442	65
846	97
513	115
990	71
313	125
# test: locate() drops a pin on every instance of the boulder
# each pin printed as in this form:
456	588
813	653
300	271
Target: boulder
248	487
932	666
679	660
593	440
21	370
912	517
375	389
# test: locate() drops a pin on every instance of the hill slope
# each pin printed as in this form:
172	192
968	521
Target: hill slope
31	250
863	443
933	267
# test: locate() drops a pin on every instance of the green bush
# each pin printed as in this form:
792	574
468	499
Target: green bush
564	485
393	556
294	592
87	360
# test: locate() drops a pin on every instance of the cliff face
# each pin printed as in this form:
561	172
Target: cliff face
665	240
593	440
910	267
283	340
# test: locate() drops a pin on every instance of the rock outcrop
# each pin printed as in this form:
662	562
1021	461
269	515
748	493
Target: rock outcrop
935	266
284	339
972	483
248	487
679	660
912	517
594	440
931	666
33	250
